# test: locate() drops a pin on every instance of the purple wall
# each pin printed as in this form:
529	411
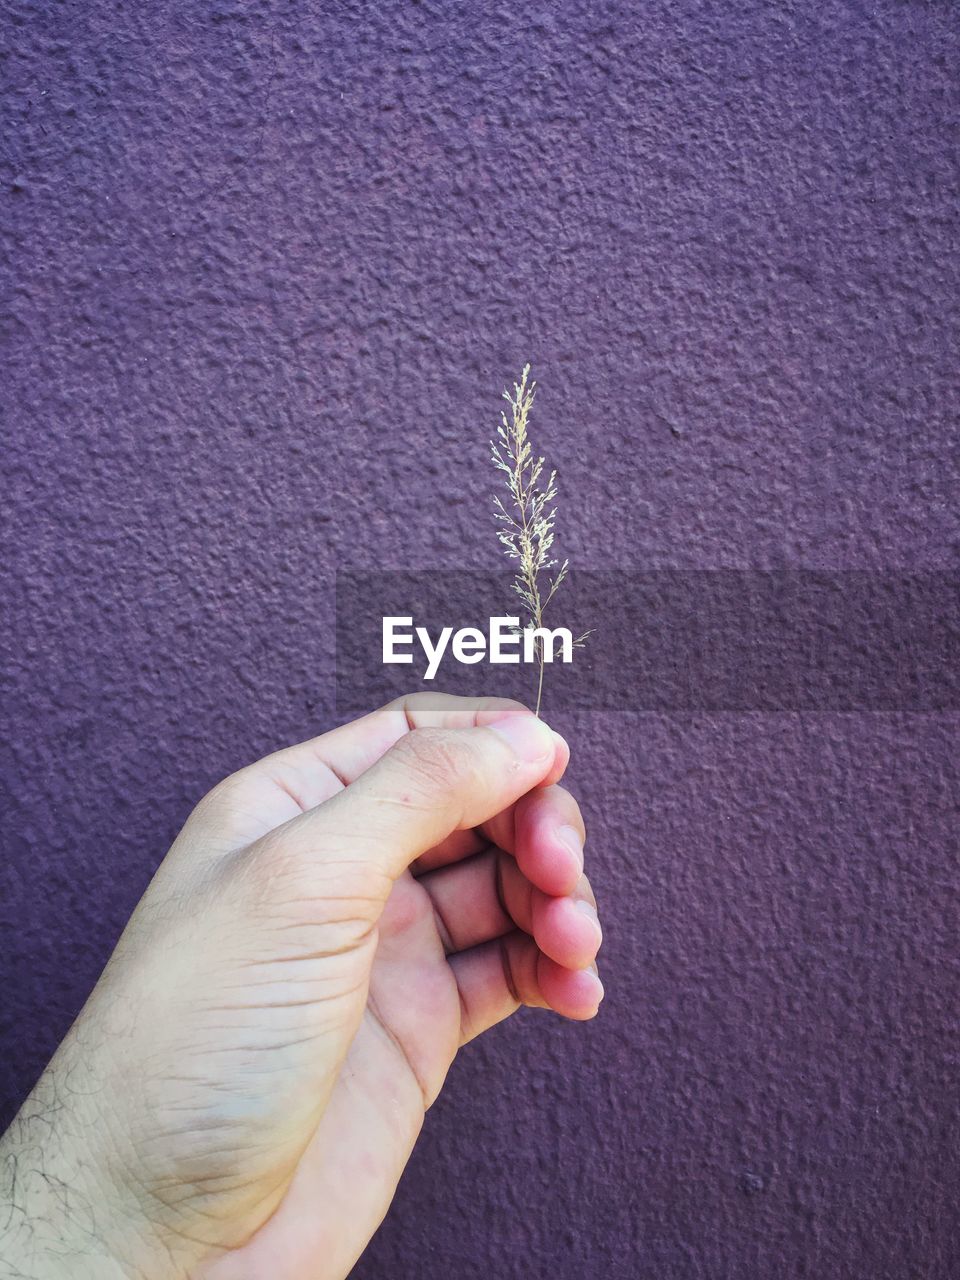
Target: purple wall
271	263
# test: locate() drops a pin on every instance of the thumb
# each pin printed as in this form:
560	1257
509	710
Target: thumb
429	784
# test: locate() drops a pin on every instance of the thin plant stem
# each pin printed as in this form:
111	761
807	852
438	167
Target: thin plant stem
539	683
526	520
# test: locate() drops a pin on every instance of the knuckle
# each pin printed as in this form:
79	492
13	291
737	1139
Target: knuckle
491	708
313	881
223	797
421	702
437	756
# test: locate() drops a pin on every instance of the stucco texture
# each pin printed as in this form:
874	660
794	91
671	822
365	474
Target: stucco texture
267	266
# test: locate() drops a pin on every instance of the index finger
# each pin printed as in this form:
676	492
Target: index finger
296	779
352	748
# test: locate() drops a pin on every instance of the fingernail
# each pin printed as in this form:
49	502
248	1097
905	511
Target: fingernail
527	737
598	984
570	837
588	909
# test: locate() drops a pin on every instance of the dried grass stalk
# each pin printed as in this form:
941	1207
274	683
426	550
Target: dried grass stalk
526	520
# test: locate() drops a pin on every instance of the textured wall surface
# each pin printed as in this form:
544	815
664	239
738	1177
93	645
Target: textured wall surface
267	266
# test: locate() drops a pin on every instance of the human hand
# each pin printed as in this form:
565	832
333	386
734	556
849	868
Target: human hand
241	1092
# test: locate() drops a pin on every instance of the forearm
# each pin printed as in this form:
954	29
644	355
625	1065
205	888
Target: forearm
58	1218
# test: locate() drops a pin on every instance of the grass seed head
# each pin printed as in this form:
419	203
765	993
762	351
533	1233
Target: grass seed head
525	519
